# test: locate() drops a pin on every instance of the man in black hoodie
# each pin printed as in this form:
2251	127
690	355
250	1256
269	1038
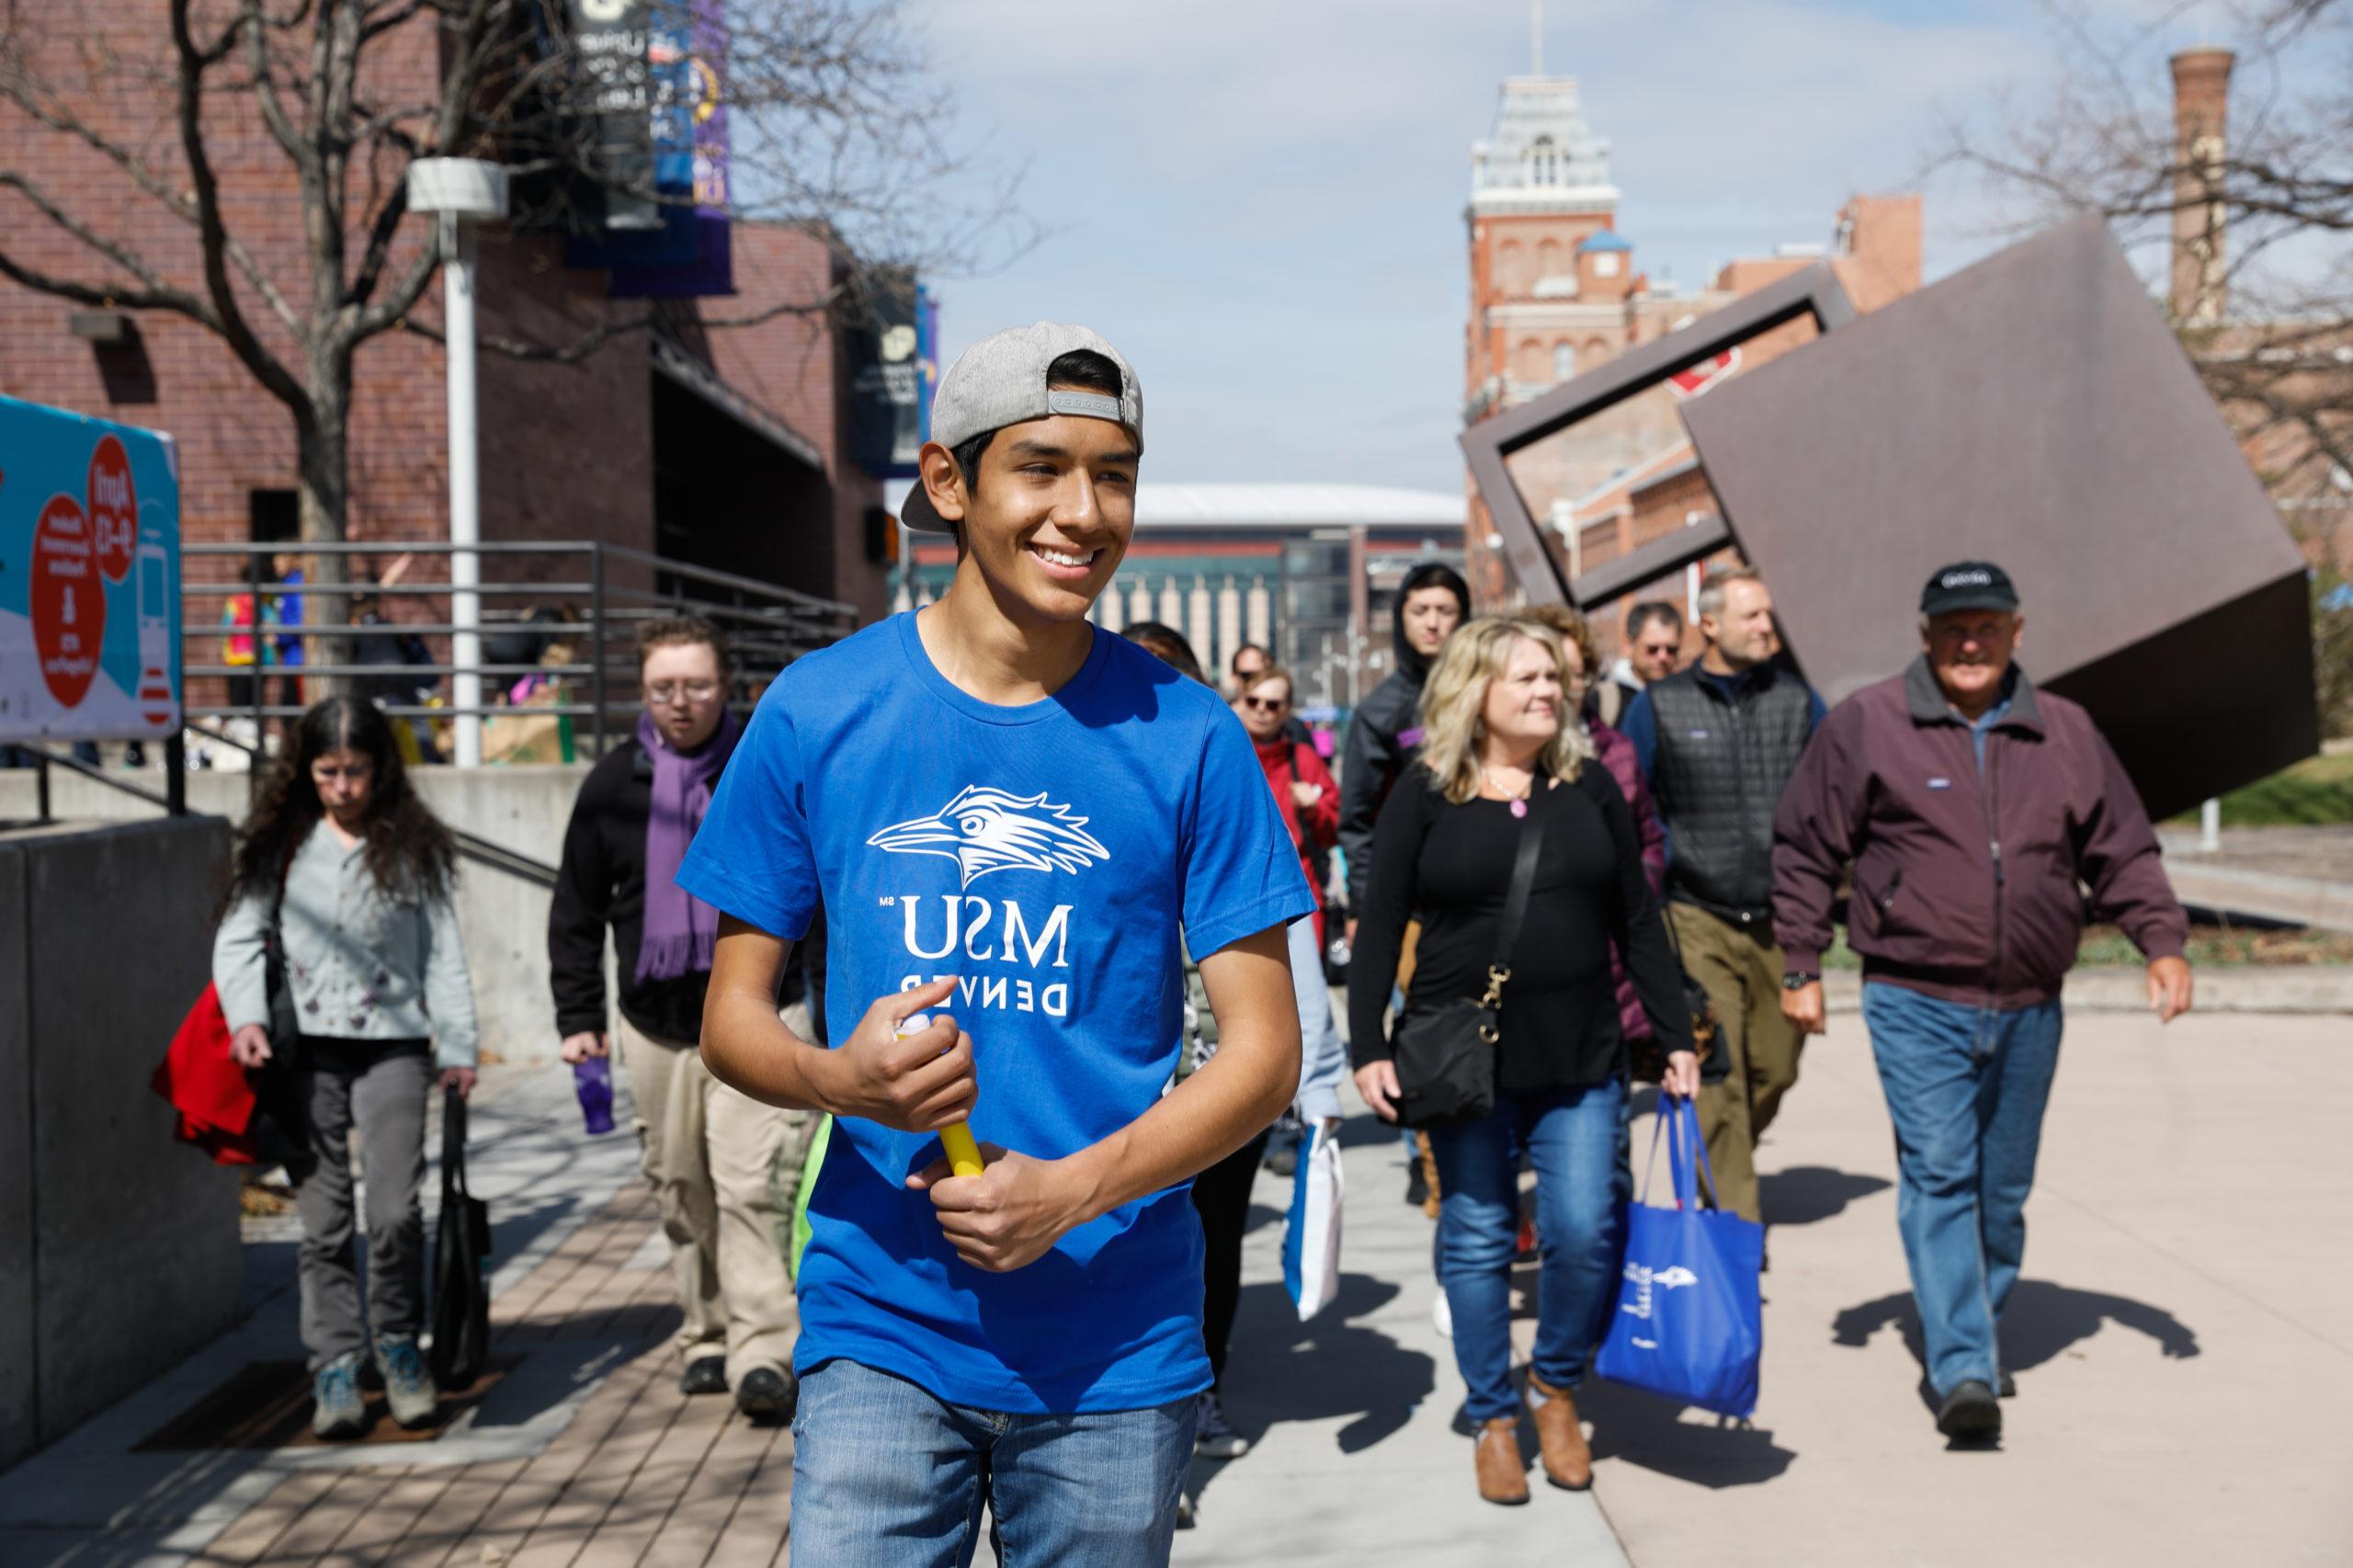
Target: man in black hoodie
1387	729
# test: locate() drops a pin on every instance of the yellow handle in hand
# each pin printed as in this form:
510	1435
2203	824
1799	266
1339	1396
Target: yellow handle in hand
955	1140
964	1155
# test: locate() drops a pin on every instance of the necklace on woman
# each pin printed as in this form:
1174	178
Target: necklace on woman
1518	799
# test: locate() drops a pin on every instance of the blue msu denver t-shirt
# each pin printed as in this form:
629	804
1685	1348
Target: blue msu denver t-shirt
1048	855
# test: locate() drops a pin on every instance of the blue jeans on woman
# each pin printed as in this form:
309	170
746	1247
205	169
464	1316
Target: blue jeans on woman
887	1475
1966	1088
1575	1139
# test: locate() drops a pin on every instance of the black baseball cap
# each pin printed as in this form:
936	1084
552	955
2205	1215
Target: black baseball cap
1968	584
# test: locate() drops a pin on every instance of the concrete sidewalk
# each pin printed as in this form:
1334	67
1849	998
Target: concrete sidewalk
2181	1343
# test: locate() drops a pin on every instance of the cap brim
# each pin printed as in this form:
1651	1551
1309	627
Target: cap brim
917	513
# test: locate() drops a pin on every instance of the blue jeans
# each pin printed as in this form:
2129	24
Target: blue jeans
1576	1139
885	1475
1966	1088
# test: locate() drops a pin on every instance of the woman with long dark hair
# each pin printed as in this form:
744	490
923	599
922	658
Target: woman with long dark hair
353	870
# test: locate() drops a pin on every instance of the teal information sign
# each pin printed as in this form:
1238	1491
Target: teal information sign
89	578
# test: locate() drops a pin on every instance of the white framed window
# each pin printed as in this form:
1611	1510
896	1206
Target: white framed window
1543	162
1605	264
1564	361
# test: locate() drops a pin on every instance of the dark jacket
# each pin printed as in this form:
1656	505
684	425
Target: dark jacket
1386	731
1965	888
1382	741
1449	865
1719	751
602	883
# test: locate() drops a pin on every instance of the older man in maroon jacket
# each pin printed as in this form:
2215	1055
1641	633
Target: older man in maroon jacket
1971	807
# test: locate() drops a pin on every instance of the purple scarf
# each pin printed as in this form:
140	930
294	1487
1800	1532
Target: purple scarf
680	929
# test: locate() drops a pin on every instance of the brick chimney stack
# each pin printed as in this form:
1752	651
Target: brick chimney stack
2202	95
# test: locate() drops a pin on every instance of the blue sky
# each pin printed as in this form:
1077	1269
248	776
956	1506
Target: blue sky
1260	202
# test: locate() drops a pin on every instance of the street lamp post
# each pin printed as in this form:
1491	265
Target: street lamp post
455	190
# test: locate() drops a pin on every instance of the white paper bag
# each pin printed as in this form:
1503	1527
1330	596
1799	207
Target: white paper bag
1312	1241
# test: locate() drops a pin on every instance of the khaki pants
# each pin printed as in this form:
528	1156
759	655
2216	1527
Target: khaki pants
709	1154
1741	972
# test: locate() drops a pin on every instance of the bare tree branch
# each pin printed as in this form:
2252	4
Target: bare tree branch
835	122
266	367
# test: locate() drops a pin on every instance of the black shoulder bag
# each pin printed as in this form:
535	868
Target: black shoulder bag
1445	1055
461	1262
281	1124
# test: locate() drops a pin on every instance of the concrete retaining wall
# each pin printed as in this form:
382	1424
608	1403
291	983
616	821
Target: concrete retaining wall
504	916
119	1250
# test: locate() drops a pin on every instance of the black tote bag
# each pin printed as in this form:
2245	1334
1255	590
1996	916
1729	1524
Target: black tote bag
281	1127
461	1261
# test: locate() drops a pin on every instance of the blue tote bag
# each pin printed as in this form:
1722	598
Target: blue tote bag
1687	1325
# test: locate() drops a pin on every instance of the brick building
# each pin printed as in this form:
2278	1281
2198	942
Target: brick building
2281	379
1555	292
723	448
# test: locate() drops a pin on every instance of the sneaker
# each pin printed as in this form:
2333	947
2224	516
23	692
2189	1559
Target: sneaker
2007	1387
1283	1160
1184	1511
1417	1186
1442	1315
704	1374
1214	1436
408	1386
336	1410
1970	1414
768	1393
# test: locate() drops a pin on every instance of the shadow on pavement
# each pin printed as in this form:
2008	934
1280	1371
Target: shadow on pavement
1366	1129
1644	1429
1807	1195
2042	1322
1283	1370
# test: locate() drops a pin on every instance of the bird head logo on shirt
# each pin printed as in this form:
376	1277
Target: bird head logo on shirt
985	829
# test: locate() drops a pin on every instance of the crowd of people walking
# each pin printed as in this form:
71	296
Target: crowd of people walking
987	873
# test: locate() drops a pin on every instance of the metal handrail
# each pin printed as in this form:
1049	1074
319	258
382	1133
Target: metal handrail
483	851
768	626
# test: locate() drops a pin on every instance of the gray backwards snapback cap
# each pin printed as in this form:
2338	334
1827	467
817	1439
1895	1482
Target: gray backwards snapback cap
1001	380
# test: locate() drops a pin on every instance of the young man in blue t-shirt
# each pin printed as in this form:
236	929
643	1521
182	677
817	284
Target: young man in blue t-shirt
1009	818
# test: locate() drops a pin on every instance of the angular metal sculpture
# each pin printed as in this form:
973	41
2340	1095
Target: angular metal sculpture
2034	410
1492	446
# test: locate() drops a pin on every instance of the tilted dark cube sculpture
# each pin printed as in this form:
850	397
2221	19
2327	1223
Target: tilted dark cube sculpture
2033	409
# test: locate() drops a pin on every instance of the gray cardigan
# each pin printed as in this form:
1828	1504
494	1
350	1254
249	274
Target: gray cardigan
361	966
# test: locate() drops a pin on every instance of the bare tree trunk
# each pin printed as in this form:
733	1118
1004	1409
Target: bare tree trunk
322	461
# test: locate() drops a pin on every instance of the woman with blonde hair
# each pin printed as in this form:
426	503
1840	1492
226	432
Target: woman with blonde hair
1504	764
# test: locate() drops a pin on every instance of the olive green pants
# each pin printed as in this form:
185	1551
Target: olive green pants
1741	972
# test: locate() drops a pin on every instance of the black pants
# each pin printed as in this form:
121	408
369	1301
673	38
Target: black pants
1222	1197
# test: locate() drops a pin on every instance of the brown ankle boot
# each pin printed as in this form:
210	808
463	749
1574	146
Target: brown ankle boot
1568	1460
1502	1473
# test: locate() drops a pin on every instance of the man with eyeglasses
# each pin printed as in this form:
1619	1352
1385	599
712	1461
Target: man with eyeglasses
708	1150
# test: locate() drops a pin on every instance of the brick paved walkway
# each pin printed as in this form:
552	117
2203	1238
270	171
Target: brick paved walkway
641	1475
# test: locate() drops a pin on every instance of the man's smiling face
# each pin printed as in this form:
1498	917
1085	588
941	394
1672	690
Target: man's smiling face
1049	520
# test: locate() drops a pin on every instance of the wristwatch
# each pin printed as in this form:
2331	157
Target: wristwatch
1798	980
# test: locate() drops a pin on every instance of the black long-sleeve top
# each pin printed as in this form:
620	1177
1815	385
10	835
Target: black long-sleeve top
602	883
1452	864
